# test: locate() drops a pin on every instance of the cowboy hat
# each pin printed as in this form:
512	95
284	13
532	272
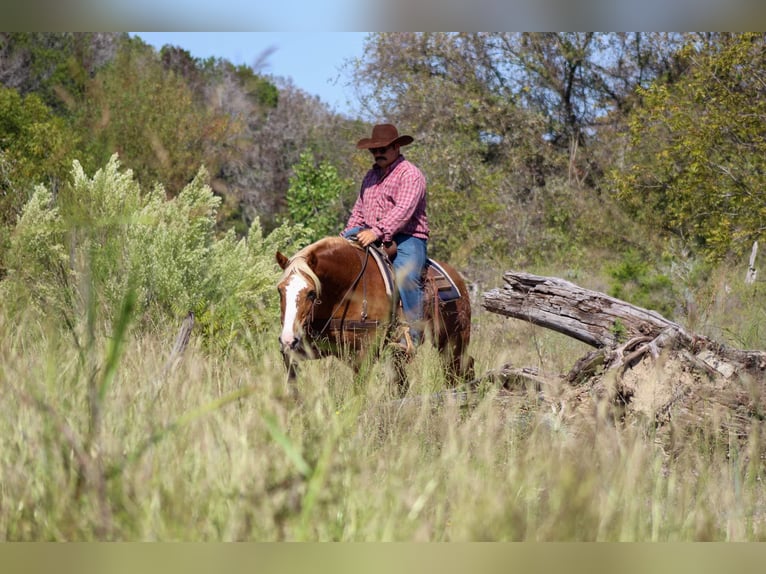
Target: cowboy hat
383	135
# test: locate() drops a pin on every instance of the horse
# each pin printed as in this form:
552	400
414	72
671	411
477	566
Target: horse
338	299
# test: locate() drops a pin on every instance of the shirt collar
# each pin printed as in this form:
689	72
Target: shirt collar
389	169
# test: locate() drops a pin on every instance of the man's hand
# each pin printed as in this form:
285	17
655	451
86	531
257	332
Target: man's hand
366	237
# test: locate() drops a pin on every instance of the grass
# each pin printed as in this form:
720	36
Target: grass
95	444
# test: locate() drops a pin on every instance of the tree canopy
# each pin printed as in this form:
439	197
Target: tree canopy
697	155
529	141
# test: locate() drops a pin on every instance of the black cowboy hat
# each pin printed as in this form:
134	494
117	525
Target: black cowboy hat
383	135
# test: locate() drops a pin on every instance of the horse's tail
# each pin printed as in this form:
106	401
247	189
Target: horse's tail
449	314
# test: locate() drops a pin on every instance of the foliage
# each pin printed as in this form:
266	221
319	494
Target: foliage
218	451
635	280
103	238
472	141
513	131
34	148
494	115
262	90
723	306
570	79
572	226
37	259
313	198
272	143
150	116
55	66
697	158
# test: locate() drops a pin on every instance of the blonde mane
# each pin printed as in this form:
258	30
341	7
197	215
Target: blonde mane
297	263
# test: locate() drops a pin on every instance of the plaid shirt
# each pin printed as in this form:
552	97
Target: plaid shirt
392	202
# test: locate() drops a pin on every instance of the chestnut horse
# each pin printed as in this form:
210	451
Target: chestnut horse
335	302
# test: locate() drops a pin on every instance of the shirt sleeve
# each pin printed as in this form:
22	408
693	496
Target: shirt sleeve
356	219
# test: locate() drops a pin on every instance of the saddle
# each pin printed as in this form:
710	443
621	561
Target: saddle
443	285
440	288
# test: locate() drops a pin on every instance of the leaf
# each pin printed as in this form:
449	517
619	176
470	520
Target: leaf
293	452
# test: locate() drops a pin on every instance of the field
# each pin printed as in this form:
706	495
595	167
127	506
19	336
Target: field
99	442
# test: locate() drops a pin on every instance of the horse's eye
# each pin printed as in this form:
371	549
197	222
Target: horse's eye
312	295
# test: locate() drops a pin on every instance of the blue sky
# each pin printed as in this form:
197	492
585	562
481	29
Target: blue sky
313	60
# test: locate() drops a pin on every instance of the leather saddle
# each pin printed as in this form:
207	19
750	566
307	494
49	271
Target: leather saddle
384	255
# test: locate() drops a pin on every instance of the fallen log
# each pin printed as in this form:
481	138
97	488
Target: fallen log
647	366
589	316
623	331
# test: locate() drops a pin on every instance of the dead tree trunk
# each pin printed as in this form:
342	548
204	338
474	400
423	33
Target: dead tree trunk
589	316
623	332
647	367
182	341
752	272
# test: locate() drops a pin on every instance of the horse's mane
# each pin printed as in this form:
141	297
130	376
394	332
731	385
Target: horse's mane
298	262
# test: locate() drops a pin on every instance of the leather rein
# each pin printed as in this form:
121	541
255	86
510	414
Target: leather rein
343	299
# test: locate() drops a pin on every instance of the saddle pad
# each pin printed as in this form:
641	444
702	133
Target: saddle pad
384	265
445	286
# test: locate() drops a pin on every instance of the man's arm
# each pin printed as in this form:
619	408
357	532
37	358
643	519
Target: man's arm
356	219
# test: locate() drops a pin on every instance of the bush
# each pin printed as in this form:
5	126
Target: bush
635	280
84	251
313	198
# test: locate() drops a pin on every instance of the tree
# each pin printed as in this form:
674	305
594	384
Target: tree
271	143
55	66
697	156
571	79
35	147
521	124
150	117
313	198
482	154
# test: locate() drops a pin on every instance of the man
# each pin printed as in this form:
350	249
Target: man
391	206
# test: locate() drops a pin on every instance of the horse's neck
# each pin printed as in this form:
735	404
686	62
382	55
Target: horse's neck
352	269
338	270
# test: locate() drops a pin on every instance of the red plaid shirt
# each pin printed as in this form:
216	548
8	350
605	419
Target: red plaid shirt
392	202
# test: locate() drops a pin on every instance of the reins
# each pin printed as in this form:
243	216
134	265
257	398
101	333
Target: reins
346	294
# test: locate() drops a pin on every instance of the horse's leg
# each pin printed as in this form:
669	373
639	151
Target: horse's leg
377	352
452	342
291	368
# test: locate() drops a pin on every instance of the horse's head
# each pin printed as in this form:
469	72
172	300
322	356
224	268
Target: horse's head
299	289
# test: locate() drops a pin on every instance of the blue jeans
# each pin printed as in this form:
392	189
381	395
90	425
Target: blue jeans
409	263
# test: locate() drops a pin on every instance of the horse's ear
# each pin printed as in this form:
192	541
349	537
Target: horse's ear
282	260
311	259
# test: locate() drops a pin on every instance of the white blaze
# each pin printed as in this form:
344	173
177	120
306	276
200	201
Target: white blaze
295	285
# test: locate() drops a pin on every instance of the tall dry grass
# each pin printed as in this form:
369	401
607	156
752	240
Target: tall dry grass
220	450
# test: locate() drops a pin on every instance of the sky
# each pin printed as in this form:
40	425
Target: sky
313	60
403	15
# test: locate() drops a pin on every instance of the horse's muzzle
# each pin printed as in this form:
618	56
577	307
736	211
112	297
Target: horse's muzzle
294	345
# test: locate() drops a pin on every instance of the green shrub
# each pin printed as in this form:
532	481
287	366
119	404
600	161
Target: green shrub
84	250
635	280
313	198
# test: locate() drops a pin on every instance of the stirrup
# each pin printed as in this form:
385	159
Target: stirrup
409	345
403	342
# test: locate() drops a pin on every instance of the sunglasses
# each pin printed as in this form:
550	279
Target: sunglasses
380	150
